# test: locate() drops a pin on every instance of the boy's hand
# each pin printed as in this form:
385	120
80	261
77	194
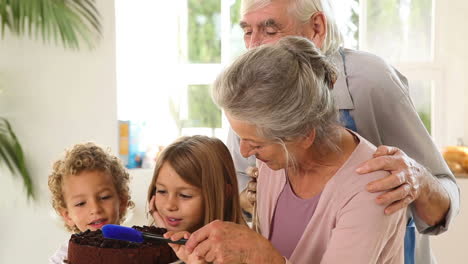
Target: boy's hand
180	250
159	222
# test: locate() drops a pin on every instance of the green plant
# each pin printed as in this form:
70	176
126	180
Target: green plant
12	155
203	29
202	111
426	119
71	21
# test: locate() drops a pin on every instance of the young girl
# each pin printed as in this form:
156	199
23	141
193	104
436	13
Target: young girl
194	183
89	189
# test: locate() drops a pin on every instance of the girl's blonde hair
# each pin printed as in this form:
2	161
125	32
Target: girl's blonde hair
88	157
205	163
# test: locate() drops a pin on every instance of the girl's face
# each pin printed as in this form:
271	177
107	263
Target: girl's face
180	204
92	200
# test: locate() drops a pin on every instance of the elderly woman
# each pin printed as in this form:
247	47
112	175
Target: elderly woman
312	205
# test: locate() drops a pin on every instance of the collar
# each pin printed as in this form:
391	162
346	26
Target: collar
340	92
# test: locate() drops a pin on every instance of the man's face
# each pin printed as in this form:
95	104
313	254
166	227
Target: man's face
271	23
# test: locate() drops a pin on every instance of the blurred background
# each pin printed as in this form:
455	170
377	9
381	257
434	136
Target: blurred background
141	79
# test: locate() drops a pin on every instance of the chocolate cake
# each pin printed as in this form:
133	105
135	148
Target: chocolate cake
90	247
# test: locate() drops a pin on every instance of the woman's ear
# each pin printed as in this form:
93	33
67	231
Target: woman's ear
66	217
318	29
309	139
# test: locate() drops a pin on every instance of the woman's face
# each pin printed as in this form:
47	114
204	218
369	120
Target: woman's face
271	153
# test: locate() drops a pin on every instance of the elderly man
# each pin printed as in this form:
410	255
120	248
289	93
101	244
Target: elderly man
373	100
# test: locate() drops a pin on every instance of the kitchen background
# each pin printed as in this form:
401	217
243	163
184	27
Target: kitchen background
146	82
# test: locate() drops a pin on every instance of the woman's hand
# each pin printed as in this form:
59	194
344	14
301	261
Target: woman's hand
159	222
226	242
180	250
248	195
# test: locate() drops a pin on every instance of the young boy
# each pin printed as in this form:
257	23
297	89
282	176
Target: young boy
89	189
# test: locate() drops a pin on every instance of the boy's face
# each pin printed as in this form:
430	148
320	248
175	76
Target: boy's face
91	200
179	204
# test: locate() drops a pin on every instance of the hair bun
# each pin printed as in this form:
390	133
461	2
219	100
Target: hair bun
306	52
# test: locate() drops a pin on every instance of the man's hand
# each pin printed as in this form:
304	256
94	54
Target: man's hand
226	242
402	186
408	182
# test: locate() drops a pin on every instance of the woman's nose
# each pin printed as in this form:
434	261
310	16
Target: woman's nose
245	150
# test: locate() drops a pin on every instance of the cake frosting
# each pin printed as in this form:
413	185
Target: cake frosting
91	247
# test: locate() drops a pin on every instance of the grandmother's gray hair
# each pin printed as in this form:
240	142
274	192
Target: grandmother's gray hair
302	10
284	89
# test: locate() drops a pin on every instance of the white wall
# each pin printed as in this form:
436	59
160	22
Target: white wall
451	42
451	247
53	98
451	45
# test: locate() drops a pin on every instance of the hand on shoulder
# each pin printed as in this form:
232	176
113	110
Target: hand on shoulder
404	183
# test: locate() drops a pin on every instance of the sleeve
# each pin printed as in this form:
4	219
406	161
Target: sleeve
399	125
240	163
60	255
364	234
421	148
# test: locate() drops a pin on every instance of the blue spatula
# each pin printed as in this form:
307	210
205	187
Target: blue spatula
133	235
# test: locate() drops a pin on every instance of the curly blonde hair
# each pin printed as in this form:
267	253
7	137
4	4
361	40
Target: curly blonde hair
88	157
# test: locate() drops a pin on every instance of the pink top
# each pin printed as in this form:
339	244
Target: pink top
348	226
290	219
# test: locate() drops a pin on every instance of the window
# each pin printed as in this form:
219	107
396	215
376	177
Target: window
166	62
398	30
167	58
402	32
